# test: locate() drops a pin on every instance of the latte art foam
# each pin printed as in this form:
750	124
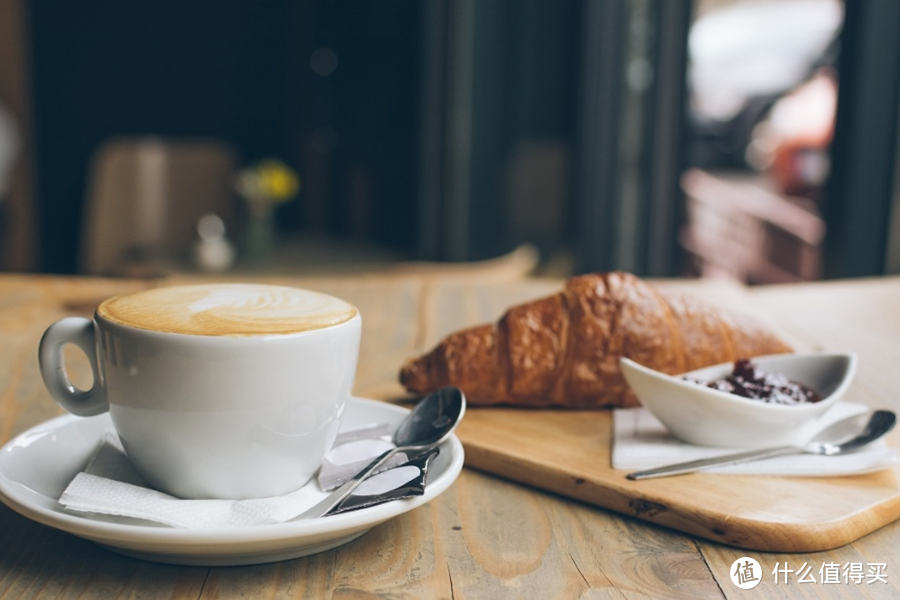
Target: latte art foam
227	310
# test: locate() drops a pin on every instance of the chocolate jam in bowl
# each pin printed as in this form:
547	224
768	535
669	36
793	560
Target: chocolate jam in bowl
750	381
708	415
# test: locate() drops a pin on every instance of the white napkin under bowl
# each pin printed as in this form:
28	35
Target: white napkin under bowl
641	441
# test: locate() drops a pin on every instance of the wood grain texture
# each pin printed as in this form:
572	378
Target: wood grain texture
486	537
568	452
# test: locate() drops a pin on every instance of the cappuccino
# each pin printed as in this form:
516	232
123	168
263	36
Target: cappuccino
227	310
207	390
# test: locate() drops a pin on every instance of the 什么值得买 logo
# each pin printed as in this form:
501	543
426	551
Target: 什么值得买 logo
745	573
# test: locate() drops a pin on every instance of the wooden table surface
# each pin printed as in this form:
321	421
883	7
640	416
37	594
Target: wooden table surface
485	537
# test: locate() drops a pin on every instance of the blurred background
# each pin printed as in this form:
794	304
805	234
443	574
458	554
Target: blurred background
748	139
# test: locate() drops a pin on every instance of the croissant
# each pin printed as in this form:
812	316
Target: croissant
564	350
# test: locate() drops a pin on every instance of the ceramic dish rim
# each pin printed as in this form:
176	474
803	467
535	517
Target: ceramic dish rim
739	401
101	531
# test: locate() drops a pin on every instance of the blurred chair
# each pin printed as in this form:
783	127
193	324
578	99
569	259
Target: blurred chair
144	199
737	227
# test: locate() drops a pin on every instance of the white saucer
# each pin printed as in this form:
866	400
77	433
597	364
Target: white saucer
37	465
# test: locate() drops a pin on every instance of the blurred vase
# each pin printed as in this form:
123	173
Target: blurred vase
263	186
260	237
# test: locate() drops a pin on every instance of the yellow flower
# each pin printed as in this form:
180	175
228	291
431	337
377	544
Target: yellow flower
268	180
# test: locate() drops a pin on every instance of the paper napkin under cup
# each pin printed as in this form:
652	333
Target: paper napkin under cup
641	441
110	485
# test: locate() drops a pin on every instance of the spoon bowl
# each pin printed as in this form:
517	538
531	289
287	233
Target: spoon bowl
851	433
432	419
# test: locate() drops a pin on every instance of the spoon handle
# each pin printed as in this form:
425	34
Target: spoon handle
727	459
337	496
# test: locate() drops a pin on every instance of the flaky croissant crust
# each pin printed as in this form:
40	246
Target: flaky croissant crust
564	350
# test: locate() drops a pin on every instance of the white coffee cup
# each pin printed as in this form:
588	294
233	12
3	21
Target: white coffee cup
216	391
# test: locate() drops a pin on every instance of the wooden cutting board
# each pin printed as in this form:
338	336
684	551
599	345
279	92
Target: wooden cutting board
569	453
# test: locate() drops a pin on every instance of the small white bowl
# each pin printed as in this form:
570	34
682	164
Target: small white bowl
700	415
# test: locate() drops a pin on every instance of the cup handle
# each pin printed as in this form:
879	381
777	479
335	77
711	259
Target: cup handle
78	331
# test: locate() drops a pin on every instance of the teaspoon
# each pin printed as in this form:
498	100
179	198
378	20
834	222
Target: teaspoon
429	423
841	437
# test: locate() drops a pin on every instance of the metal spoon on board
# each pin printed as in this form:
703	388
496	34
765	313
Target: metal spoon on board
429	423
841	437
